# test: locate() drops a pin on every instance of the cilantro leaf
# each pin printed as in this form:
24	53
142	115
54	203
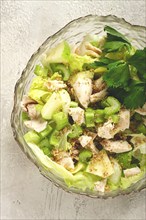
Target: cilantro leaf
103	62
138	60
114	35
114	46
118	74
136	96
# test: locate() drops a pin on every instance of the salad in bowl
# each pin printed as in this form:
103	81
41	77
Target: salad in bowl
84	113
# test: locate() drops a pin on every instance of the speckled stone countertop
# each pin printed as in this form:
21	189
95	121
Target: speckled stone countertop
25	194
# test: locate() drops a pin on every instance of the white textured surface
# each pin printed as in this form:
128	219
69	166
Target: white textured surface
25	193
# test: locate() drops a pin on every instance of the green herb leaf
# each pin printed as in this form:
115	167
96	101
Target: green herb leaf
114	35
103	62
114	46
117	75
136	97
138	60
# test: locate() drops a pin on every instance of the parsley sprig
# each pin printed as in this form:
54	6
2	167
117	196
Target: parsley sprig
126	79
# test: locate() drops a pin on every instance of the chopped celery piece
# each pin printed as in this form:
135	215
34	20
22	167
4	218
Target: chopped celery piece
112	105
76	131
137	117
40	71
55	138
100	70
141	129
73	104
46	151
44	143
115	118
61	69
32	137
85	156
143	162
53	105
125	159
89	119
61	120
46	131
99	116
25	116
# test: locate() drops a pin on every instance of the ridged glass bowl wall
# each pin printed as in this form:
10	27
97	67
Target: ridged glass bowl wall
73	33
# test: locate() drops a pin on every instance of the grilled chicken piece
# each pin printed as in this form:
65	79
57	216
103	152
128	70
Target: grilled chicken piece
83	90
84	140
63	158
124	121
100	84
141	111
55	85
25	101
87	142
116	146
100	185
67	163
139	142
77	115
36	124
107	130
32	112
98	96
86	48
132	171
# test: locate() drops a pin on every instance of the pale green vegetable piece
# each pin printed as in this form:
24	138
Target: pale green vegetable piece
53	105
76	62
100	165
48	164
39	83
39	95
115	177
127	181
58	54
66	100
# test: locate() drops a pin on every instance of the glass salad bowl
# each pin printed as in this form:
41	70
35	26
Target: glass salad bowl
73	33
